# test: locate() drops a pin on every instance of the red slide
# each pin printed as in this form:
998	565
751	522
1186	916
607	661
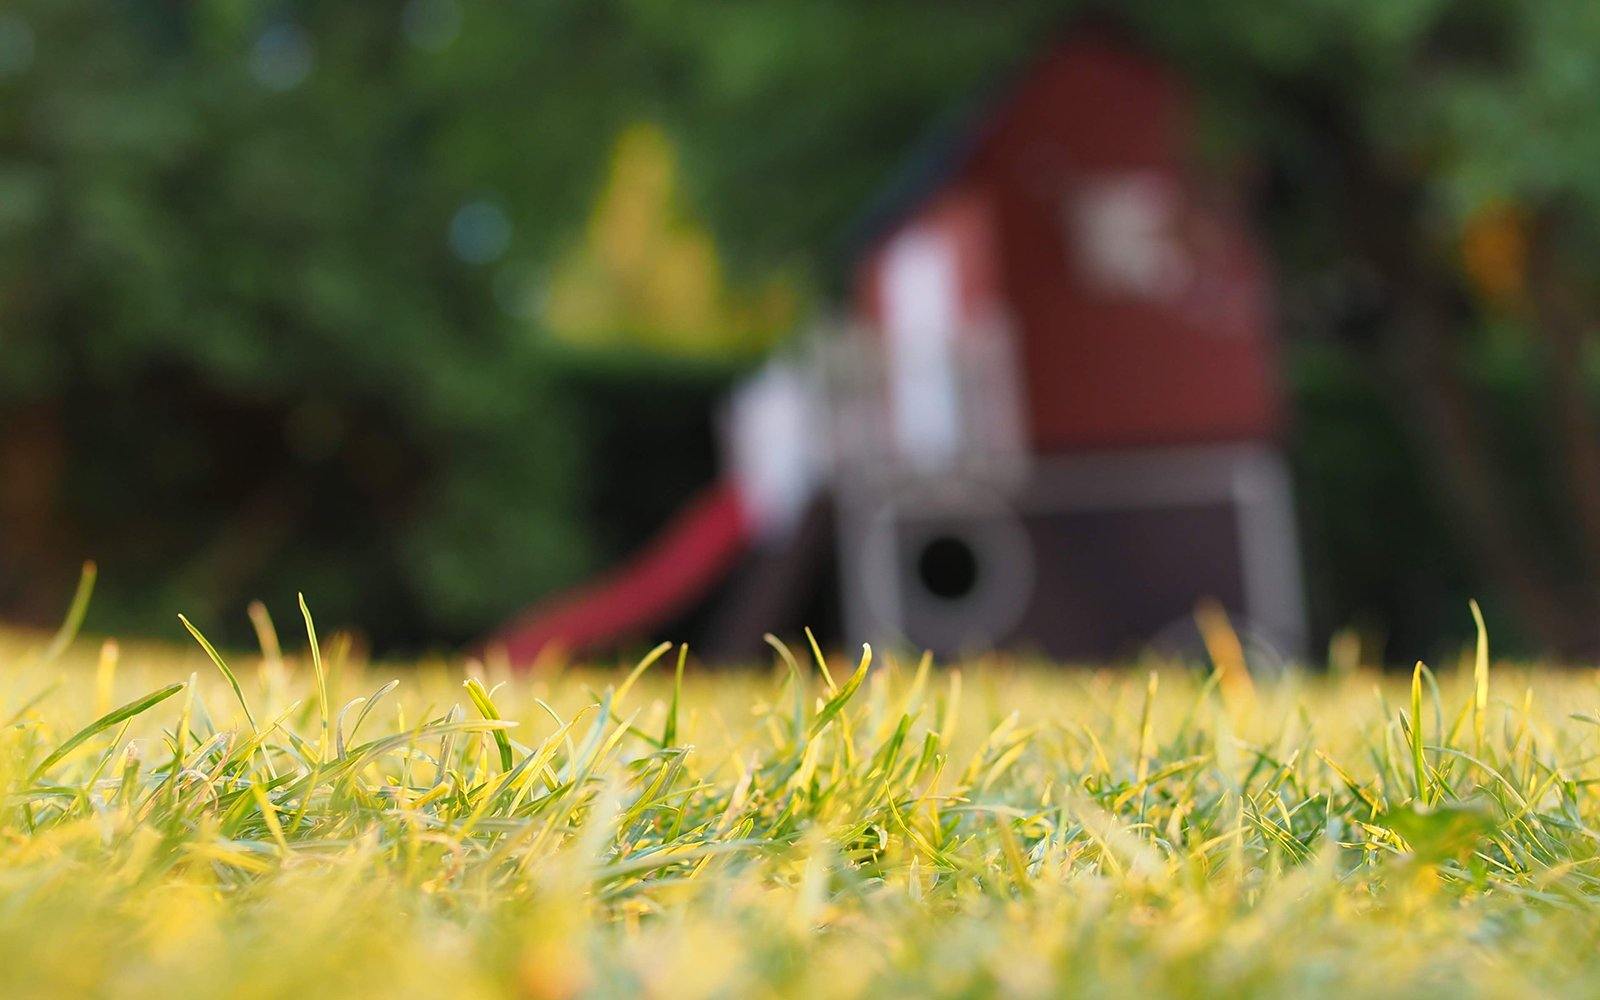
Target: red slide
692	552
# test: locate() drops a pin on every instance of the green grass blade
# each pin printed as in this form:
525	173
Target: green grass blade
1417	761
266	633
367	707
638	671
323	707
227	672
1146	731
100	725
797	681
669	732
822	662
485	705
1480	678
836	704
75	614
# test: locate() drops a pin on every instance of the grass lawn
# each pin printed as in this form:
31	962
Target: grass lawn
273	829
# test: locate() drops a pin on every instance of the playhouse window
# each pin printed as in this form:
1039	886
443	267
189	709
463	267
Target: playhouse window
1123	236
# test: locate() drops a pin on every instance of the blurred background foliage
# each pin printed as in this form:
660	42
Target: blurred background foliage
422	307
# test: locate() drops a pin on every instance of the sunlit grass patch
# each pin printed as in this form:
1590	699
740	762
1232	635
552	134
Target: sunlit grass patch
184	821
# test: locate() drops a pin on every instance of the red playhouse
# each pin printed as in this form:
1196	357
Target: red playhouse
1050	421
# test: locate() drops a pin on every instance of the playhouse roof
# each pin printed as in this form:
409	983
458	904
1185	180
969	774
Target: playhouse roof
934	160
958	134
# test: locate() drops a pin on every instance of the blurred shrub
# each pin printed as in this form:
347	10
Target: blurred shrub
1381	544
249	258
